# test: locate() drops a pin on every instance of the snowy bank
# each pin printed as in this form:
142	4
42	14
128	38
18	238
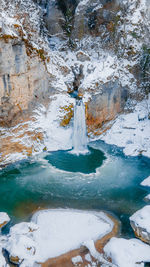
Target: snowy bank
127	253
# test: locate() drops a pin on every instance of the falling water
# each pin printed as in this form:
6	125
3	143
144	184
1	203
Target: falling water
79	134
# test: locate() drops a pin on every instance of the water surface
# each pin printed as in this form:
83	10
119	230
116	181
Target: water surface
113	186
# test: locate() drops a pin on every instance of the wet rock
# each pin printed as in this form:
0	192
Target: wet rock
140	222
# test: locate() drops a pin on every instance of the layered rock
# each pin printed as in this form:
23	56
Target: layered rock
99	50
104	106
23	79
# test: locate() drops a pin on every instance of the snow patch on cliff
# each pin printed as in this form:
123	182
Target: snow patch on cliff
131	131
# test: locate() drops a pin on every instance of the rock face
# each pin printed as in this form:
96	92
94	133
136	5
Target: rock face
105	105
23	79
54	19
140	223
94	18
90	47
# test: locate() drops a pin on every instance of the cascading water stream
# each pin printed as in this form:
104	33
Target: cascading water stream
79	133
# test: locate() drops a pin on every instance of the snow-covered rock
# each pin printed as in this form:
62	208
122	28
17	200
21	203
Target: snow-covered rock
52	233
4	219
146	182
147	198
88	257
140	222
76	260
20	243
127	253
63	230
95	254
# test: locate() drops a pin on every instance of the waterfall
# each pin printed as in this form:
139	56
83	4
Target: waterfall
79	131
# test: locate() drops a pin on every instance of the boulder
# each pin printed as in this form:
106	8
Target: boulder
140	222
20	243
127	253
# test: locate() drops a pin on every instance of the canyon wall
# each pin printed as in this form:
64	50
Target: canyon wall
23	80
45	44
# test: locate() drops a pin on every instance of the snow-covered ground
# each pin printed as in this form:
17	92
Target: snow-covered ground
131	131
52	233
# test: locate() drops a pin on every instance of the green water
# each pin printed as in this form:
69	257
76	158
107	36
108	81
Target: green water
113	184
88	163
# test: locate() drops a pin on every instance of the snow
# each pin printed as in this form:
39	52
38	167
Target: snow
147	198
2	259
141	218
4	218
23	228
63	230
76	260
88	257
54	232
95	254
48	121
100	67
20	242
146	181
127	253
130	133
